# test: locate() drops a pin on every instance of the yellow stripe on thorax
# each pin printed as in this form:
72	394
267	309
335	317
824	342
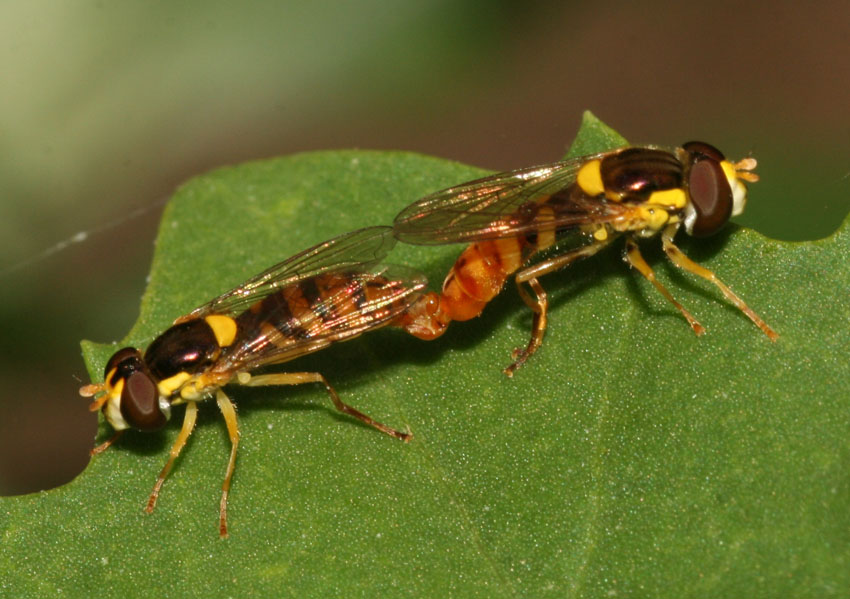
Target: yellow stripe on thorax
168	386
589	178
223	327
669	198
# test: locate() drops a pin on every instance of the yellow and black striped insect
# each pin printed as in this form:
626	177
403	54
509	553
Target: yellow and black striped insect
331	292
578	206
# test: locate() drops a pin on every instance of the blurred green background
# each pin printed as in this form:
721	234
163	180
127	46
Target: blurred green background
106	107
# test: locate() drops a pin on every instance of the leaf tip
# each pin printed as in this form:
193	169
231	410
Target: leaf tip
594	136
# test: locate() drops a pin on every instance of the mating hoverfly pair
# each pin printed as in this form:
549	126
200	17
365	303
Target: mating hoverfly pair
340	288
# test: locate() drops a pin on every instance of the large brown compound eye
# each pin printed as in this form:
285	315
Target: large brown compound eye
140	403
711	196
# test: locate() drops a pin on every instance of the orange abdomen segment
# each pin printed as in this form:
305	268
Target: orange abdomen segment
478	276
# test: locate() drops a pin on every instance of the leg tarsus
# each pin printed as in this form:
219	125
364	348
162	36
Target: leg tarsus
634	257
539	305
229	413
105	445
679	258
185	431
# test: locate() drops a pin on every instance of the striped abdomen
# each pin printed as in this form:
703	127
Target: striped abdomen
330	305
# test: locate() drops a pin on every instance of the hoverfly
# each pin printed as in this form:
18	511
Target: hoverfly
331	292
578	206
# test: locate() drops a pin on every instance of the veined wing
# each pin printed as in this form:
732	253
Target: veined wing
501	205
354	251
312	313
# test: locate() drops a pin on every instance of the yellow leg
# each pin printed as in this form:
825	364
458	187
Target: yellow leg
229	412
682	261
299	378
634	258
188	426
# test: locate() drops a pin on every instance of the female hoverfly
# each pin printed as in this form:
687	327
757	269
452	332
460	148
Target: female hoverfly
331	292
580	206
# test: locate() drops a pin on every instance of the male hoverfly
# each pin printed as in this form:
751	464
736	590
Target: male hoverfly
331	292
579	206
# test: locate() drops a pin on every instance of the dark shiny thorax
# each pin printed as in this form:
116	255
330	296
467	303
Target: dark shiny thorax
186	347
635	173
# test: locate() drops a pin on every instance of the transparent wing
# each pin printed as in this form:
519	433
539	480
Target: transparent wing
493	206
352	303
354	251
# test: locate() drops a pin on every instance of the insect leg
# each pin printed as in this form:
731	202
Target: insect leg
229	412
557	262
633	257
185	431
678	258
105	445
299	378
539	304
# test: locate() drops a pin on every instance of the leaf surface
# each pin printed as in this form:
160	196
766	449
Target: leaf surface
628	457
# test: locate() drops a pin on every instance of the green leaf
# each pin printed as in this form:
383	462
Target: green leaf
628	457
594	136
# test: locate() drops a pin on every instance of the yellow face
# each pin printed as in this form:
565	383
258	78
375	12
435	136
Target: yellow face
739	190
